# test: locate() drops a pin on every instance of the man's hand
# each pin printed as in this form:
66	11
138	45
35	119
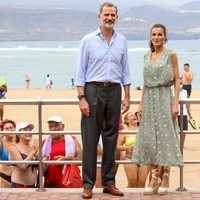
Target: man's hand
125	105
84	107
61	158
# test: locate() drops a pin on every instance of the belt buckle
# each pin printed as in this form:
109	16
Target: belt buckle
106	84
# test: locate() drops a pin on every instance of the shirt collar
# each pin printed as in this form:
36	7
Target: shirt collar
98	32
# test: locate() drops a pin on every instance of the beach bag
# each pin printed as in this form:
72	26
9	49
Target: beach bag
72	177
51	82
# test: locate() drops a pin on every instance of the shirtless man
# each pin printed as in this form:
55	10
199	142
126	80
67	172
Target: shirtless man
187	78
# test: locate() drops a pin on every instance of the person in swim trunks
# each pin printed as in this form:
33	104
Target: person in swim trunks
186	79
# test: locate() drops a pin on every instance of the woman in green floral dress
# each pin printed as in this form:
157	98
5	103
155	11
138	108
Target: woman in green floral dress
157	139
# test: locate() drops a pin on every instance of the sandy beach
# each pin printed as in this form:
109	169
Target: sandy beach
71	117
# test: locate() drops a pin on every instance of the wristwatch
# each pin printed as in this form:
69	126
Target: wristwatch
80	96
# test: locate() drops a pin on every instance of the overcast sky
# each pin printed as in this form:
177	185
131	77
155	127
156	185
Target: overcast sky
171	2
168	2
174	2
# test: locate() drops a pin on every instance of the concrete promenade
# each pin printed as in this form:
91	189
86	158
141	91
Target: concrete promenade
75	194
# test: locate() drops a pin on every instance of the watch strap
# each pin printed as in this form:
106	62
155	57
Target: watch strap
80	96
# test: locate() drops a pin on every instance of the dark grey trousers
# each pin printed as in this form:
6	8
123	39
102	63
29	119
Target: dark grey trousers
105	107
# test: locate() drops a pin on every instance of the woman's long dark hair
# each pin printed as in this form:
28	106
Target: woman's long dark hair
164	31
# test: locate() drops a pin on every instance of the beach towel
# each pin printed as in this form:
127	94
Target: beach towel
70	148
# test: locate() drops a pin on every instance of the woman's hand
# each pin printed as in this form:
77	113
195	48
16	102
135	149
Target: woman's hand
34	147
129	151
175	110
130	148
139	111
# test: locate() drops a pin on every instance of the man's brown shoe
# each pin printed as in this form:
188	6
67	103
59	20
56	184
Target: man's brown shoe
111	189
87	193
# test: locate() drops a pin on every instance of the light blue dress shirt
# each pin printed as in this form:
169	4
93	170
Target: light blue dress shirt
102	62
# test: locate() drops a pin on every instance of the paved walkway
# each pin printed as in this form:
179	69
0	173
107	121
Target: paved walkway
75	194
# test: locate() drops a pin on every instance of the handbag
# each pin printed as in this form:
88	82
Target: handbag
72	177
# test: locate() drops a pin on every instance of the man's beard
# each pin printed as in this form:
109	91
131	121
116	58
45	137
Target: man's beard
109	25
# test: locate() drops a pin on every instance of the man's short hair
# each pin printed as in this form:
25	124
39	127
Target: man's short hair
108	4
187	64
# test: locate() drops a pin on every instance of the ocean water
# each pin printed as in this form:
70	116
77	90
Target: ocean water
58	58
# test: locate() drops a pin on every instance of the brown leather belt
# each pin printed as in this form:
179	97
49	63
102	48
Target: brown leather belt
104	84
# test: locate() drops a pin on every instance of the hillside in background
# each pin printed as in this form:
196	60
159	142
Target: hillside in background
90	5
195	5
70	23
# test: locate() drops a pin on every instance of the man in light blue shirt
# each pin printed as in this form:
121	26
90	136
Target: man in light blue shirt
101	68
102	61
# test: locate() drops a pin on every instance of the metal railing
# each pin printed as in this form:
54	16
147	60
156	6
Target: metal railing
41	102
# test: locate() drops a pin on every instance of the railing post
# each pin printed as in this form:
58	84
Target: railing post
181	188
40	188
